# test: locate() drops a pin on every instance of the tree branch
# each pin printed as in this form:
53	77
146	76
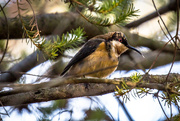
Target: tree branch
54	23
125	62
169	7
59	24
62	90
25	65
50	24
135	61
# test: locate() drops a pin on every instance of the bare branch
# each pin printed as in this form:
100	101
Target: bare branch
7	34
25	65
5	4
157	57
68	88
172	39
169	7
71	20
51	24
177	9
162	107
127	64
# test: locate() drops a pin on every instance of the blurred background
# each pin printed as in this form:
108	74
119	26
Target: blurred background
57	17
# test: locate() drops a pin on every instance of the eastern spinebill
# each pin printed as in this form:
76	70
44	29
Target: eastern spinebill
99	56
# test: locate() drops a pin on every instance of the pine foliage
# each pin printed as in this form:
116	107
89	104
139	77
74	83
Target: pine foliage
58	45
103	13
107	12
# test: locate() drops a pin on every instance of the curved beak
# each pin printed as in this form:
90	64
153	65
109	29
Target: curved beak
130	47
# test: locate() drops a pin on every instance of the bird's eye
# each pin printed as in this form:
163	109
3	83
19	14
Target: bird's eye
120	40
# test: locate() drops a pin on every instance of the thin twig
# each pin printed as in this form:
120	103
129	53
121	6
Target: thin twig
176	36
162	10
169	98
85	17
154	61
177	10
35	19
59	113
163	30
177	105
92	22
4	108
23	25
7	34
170	105
162	107
164	24
174	57
104	108
79	3
48	76
99	103
5	4
125	109
175	50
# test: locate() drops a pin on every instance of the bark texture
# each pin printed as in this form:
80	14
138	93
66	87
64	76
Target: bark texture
71	88
49	24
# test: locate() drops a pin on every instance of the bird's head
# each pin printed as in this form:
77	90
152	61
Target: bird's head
120	38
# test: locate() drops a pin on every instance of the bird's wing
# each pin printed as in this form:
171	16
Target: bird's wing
88	48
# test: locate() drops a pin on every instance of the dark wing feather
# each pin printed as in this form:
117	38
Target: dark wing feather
88	48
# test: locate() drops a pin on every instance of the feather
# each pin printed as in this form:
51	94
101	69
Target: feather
88	48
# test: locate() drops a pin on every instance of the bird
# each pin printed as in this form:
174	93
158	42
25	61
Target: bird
99	56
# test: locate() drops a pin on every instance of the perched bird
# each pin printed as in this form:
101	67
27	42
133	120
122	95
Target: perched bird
99	56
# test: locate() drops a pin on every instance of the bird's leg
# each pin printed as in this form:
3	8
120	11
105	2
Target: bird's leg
86	85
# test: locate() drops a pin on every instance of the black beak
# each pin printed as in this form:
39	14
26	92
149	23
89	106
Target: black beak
130	47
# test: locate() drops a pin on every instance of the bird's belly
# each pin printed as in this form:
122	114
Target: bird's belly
98	64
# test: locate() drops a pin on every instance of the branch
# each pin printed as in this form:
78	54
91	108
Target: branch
25	65
135	61
137	40
54	23
50	24
59	24
62	90
169	7
5	50
126	63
